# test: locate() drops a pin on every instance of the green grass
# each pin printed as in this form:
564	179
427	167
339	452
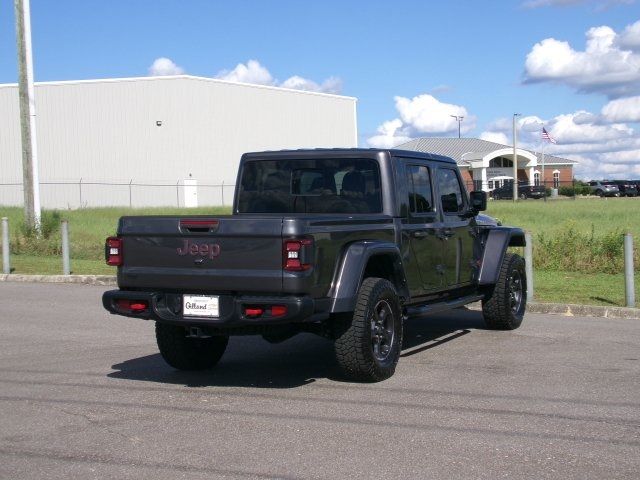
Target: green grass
41	265
585	214
581	288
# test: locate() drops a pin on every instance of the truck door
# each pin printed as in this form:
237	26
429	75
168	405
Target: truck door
456	233
420	226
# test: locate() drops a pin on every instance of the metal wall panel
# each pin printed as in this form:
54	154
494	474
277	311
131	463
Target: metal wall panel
107	132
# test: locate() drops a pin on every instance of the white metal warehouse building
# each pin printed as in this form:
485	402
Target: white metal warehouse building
138	141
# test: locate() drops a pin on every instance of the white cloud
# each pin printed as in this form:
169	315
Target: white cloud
330	85
164	66
252	72
425	114
388	135
629	39
255	73
622	110
603	150
603	67
623	157
497	137
421	115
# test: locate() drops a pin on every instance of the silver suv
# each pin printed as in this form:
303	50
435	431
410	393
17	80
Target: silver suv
604	189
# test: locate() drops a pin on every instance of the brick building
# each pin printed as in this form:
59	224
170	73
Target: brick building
487	165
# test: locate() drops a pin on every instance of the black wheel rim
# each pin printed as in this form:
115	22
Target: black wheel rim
515	291
382	330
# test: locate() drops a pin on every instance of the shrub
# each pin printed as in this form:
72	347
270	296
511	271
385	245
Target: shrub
27	240
575	251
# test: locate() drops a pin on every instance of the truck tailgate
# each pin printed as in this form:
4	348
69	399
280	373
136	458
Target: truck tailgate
197	253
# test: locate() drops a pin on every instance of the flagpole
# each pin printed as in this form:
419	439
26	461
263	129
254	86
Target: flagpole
544	181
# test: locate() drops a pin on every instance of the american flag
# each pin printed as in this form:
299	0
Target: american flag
546	136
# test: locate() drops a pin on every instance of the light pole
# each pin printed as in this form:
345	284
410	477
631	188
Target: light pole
459	120
515	158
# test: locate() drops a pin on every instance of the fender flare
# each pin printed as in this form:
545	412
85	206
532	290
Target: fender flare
349	275
496	244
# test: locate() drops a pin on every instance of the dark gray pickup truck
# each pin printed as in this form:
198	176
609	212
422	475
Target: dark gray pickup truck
345	243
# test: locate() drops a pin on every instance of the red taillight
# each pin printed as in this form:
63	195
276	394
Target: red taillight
253	311
199	225
132	306
113	251
296	255
278	310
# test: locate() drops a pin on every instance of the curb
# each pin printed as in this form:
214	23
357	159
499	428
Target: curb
571	310
565	309
575	310
105	280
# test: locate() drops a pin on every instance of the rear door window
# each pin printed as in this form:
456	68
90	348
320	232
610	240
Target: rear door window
419	189
450	191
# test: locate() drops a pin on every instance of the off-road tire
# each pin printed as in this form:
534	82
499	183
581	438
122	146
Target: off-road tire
358	346
187	353
498	307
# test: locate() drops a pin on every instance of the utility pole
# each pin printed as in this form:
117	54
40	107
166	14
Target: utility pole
459	119
515	158
30	178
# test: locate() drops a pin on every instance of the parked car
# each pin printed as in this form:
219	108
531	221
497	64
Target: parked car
524	191
604	188
627	188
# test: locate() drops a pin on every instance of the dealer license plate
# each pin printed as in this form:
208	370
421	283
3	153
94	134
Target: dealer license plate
200	306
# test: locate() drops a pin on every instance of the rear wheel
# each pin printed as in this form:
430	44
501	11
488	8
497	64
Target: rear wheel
523	196
188	353
504	307
600	193
368	343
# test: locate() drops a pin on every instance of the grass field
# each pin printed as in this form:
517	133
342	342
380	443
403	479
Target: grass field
584	214
89	228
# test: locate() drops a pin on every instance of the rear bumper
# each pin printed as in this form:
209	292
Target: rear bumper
167	308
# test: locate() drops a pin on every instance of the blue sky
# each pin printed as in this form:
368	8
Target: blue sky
464	57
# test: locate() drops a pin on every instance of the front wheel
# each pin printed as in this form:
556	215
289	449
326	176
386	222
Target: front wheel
188	353
503	308
368	343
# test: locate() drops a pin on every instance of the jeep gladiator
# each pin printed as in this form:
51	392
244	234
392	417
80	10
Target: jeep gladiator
344	243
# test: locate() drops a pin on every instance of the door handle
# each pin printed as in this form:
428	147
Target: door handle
445	233
420	234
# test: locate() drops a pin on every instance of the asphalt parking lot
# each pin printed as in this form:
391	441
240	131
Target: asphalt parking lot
85	395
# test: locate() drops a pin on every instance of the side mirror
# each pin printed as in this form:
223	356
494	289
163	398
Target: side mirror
478	200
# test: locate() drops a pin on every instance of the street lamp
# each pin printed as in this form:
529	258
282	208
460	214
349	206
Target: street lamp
459	120
515	158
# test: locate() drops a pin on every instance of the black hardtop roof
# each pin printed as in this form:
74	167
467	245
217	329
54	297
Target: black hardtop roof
368	152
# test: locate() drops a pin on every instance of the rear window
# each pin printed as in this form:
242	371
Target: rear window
310	186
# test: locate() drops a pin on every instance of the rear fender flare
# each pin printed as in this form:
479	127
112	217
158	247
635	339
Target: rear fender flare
496	244
350	273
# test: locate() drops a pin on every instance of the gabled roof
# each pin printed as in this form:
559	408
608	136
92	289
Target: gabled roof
456	148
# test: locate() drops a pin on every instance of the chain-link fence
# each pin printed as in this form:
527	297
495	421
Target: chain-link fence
83	194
